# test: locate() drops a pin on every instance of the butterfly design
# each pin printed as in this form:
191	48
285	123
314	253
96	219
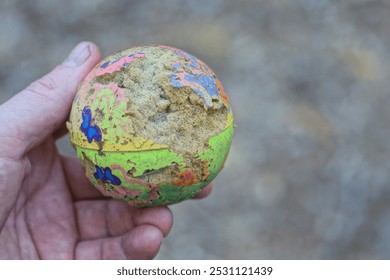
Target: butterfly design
105	175
91	131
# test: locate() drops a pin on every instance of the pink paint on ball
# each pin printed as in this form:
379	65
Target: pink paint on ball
113	66
120	95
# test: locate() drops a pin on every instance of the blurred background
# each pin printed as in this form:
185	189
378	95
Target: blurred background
308	173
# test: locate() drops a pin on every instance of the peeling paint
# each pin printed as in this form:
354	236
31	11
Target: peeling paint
123	165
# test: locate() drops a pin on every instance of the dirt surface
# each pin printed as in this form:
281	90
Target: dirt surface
308	173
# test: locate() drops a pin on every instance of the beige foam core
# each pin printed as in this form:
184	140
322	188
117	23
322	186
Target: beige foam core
167	115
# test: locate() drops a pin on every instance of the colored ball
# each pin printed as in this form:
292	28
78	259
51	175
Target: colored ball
152	125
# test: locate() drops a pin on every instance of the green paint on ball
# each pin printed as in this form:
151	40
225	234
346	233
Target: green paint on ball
219	147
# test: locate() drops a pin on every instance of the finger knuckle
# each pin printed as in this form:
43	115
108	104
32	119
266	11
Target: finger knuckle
43	88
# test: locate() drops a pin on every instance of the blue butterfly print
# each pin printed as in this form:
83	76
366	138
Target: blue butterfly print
92	132
105	175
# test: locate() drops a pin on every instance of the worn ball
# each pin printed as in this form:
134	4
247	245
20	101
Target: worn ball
152	125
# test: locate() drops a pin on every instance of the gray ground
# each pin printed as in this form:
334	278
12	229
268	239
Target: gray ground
308	173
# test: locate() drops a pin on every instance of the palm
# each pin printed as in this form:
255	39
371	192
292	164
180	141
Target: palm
59	215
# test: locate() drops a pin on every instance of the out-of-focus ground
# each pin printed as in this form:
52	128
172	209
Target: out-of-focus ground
308	173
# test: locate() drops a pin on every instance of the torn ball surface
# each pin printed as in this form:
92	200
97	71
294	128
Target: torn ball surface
152	125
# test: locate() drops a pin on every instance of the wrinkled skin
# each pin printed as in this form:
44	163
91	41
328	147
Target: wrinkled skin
48	209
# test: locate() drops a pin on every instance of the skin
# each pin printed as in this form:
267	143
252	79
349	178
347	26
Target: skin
48	209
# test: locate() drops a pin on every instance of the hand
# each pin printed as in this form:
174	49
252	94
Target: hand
48	209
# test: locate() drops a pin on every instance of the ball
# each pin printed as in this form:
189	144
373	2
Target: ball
152	125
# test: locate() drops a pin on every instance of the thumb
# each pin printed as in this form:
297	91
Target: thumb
37	111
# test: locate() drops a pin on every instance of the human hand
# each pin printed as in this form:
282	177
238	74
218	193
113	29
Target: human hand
48	209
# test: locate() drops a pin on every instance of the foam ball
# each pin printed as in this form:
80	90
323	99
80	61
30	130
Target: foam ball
152	125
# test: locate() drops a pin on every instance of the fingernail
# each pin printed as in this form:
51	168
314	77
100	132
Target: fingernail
78	55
